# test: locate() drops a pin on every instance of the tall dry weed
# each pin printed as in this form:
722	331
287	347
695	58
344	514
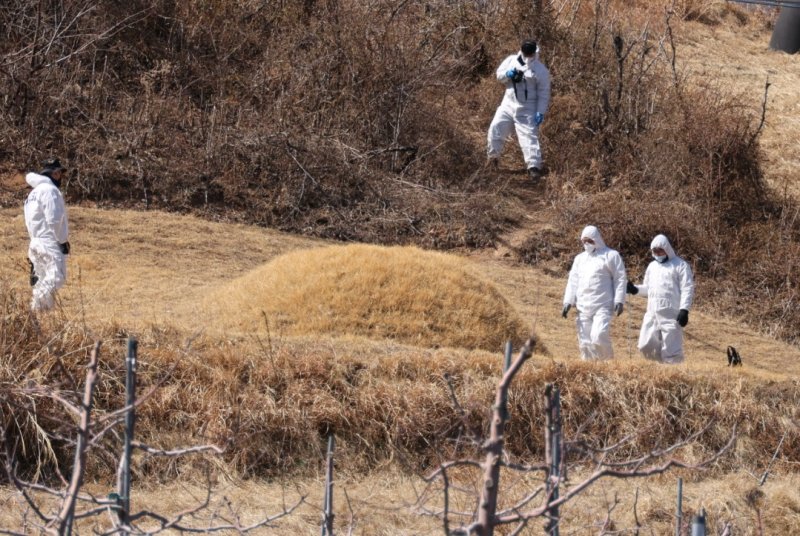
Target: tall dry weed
272	403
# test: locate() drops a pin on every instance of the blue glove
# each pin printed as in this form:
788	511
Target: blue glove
515	75
538	118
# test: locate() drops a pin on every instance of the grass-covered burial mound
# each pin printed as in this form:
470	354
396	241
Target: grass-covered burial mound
399	293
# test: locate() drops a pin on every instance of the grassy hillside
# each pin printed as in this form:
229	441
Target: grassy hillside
380	148
273	397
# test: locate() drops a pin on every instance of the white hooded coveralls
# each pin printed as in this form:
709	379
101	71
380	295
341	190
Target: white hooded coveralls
46	220
596	283
520	103
669	287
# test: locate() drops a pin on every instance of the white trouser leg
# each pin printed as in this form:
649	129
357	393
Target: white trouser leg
528	135
594	334
499	132
672	333
49	265
650	338
661	337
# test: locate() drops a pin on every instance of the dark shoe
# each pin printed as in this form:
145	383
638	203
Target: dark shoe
534	173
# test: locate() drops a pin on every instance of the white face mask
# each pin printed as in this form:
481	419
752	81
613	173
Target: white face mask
660	258
589	248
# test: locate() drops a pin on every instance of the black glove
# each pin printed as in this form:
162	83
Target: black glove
34	277
565	310
64	248
683	317
618	308
515	75
631	288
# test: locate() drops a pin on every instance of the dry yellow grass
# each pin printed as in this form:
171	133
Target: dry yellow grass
399	293
383	504
142	268
145	270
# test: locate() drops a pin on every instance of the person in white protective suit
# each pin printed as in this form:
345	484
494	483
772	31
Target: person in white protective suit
596	287
524	105
669	287
46	220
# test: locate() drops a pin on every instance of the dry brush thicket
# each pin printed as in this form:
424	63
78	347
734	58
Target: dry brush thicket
271	403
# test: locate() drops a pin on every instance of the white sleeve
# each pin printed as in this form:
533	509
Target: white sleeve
51	216
644	286
571	292
618	276
687	285
55	215
505	66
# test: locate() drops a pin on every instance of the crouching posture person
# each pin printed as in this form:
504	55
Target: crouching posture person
46	220
596	287
669	287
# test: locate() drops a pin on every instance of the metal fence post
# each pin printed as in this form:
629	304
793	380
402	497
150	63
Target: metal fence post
507	358
327	516
130	421
699	524
679	512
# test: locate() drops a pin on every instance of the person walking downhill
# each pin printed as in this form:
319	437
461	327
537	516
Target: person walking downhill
525	102
48	229
669	287
596	288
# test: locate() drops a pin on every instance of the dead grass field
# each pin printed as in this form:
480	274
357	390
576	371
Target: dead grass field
384	505
142	270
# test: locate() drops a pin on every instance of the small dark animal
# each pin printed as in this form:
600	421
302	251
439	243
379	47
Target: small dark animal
734	359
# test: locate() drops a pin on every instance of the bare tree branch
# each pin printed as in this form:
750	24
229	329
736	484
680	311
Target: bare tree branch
64	518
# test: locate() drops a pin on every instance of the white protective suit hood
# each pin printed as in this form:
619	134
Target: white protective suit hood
590	231
34	180
661	241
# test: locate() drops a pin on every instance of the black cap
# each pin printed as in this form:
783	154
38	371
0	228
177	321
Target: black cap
51	165
528	47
